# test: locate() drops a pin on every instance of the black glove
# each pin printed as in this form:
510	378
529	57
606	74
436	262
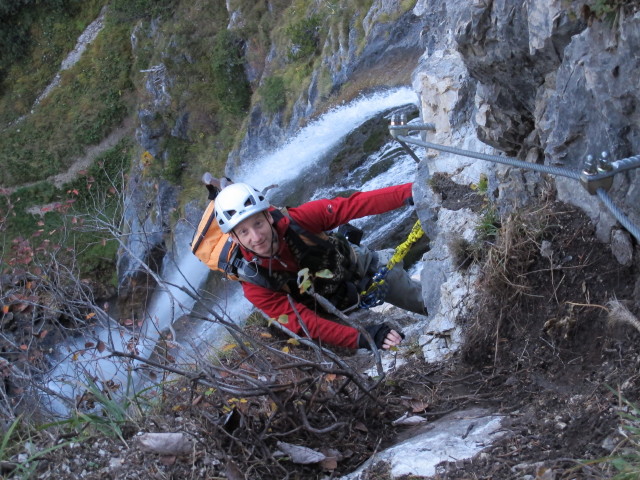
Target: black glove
214	185
378	333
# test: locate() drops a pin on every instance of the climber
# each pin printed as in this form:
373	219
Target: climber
277	244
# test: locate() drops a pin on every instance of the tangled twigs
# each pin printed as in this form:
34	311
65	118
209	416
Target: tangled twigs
202	378
308	427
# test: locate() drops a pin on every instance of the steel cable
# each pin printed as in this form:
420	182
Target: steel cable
626	163
619	214
620	165
563	172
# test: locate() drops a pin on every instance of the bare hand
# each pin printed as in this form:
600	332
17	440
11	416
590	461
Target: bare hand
392	339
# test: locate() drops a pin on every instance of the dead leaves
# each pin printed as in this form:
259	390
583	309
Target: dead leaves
18	303
299	454
413	405
408	420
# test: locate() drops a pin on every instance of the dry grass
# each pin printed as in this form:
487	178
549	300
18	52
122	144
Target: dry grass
505	263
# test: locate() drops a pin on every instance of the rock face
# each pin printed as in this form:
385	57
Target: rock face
591	107
555	87
538	82
148	201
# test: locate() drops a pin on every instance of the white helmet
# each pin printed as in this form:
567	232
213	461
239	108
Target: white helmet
236	203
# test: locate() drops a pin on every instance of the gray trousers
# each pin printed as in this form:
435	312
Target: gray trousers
403	291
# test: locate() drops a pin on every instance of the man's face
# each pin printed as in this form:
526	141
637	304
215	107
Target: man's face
255	233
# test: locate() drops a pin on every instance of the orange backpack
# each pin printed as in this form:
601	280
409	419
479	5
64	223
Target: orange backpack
214	248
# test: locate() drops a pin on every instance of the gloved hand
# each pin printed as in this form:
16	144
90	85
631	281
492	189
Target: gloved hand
378	333
214	185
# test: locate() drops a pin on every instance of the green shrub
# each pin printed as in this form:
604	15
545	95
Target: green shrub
230	83
304	37
273	94
177	151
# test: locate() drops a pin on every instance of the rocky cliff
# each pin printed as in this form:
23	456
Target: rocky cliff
535	81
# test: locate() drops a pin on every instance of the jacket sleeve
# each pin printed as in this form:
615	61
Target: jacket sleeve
325	214
275	304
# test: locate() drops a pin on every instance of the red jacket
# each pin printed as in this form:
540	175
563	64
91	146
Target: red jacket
319	216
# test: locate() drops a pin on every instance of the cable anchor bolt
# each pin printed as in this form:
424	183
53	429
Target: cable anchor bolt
596	175
398	125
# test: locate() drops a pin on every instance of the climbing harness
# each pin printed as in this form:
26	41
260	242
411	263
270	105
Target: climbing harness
375	294
596	176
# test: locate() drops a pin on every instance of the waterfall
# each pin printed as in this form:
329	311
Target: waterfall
312	143
308	150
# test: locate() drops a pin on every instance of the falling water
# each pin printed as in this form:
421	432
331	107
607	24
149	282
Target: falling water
311	145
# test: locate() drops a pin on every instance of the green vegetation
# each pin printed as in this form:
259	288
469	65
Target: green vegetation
177	152
304	37
273	94
35	37
117	409
489	224
90	101
128	10
625	460
19	434
230	84
60	220
609	9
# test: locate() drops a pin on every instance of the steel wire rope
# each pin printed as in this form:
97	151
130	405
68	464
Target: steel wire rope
624	164
628	163
618	214
563	172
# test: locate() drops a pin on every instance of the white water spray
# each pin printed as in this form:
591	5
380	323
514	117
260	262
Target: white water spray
313	142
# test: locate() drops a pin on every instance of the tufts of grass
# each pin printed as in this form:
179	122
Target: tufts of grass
104	410
304	37
273	94
504	262
19	437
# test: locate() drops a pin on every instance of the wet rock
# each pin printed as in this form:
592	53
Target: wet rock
147	217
